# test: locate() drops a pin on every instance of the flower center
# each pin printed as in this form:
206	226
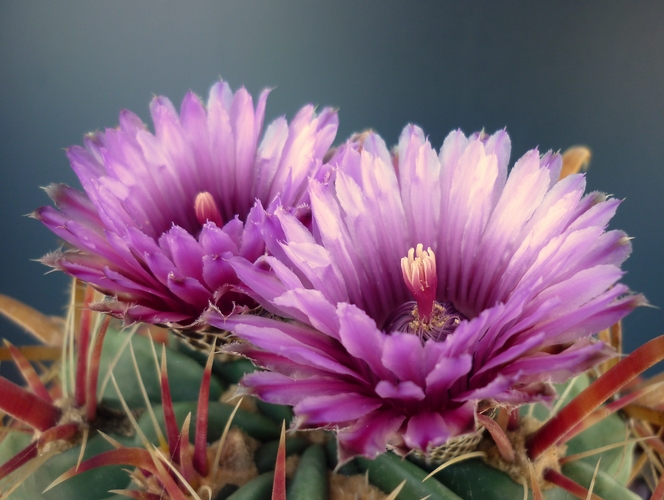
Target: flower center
424	317
207	210
419	273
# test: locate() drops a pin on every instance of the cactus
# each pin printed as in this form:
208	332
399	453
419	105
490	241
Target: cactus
156	394
392	397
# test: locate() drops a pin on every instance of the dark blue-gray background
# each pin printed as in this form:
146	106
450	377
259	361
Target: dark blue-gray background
554	73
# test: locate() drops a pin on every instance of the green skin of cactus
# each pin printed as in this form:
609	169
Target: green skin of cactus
469	479
474	479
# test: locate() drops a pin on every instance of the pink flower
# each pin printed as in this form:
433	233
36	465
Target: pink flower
163	212
430	283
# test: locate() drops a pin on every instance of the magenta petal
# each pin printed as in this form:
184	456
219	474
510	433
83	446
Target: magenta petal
420	189
296	332
243	125
81	236
216	241
370	435
461	420
282	339
316	264
82	266
87	167
186	252
524	191
429	429
554	163
308	138
129	260
217	272
474	179
194	122
269	153
362	339
260	111
515	351
500	145
328	219
582	287
279	389
252	245
491	390
189	290
161	266
319	313
261	282
403	390
73	204
286	275
338	408
593	316
445	373
276	363
426	430
560	367
326	130
139	314
404	355
124	284
594	210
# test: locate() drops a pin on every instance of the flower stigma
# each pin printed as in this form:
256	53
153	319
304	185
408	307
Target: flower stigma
425	316
419	273
206	209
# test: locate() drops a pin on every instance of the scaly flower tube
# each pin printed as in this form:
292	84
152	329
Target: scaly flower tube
430	287
163	212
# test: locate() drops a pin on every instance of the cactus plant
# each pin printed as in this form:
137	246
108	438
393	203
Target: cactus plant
227	321
168	411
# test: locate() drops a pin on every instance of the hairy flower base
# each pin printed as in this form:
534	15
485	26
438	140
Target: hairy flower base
518	465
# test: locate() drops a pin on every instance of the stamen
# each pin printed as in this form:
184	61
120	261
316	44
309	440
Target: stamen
424	317
206	209
419	273
405	318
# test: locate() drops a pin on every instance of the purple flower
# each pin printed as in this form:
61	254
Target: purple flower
163	212
430	284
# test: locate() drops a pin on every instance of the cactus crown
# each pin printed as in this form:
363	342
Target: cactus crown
288	263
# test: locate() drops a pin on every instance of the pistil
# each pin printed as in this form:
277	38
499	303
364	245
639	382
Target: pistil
207	210
419	273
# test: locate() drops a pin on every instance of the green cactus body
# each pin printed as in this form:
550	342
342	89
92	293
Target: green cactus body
310	475
473	478
94	484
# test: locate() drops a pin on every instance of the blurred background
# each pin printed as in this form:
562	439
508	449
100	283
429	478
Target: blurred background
555	74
